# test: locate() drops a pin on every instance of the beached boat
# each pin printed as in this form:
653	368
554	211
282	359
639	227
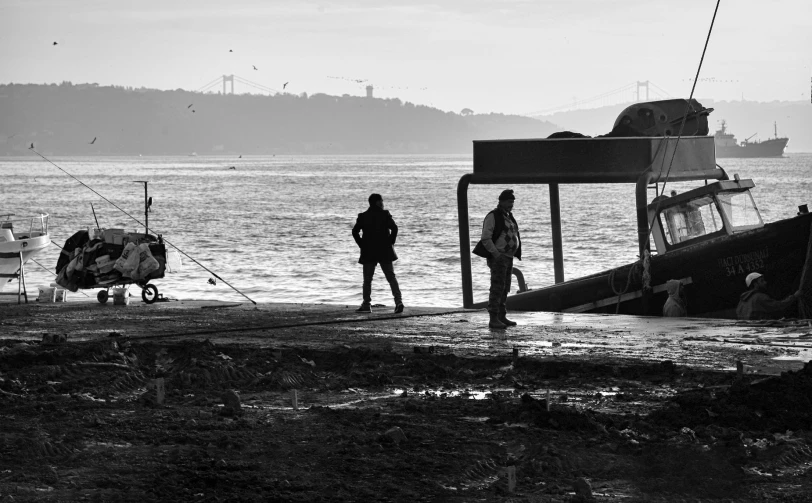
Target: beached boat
21	239
710	238
727	146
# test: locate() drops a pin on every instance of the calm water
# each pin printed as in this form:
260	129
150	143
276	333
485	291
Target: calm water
278	228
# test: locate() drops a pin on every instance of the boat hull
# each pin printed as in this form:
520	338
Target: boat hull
30	247
769	148
713	271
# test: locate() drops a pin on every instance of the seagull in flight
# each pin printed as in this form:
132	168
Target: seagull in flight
254	67
240	156
94	141
285	85
55	43
190	106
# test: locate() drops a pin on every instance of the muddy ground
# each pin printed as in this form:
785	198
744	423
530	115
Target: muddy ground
389	409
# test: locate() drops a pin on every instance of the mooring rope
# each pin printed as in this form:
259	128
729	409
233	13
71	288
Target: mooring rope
141	223
645	259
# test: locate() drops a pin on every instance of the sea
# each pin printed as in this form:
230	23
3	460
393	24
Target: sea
278	228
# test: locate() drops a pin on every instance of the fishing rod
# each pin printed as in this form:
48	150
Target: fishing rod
141	223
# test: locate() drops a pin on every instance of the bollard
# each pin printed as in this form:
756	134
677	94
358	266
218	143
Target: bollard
294	398
548	400
515	354
160	390
739	369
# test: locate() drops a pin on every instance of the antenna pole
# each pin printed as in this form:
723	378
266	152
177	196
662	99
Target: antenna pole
146	206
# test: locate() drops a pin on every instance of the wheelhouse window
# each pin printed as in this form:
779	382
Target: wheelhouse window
740	210
690	220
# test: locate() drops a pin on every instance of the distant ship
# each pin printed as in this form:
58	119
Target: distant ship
726	145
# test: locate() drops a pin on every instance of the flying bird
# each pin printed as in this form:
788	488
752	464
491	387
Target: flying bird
240	156
94	141
230	50
190	106
193	111
55	43
254	67
212	281
285	85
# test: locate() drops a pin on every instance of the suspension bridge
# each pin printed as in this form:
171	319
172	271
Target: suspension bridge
230	79
630	93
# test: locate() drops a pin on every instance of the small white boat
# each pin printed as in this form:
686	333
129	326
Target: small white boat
21	238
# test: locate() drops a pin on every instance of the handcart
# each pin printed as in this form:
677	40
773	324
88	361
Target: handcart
110	258
104	258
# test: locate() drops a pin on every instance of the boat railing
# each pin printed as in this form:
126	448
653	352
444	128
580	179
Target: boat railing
36	225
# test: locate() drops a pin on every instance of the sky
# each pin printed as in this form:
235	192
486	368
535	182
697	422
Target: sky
502	56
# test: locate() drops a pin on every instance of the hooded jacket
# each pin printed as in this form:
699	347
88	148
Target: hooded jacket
757	305
674	306
375	233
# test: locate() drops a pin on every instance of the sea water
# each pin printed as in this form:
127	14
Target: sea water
278	228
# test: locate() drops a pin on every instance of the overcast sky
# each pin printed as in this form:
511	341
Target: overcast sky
510	56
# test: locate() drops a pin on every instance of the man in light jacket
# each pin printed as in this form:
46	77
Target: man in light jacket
756	304
500	237
375	233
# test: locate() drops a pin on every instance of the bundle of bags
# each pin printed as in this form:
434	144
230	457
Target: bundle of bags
136	262
86	268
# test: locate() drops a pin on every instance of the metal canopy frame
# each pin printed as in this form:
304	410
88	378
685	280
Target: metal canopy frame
641	161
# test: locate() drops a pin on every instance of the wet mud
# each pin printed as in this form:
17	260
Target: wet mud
145	411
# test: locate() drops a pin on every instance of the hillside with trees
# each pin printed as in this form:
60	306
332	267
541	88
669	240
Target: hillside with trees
64	119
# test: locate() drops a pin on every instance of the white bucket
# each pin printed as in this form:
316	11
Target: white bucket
121	297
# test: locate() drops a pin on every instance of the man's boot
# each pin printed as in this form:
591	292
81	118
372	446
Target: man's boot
507	322
495	323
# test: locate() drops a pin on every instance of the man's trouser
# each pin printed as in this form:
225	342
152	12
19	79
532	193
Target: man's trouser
501	273
389	271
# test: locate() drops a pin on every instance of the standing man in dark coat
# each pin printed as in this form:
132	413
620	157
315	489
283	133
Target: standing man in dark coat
500	239
375	232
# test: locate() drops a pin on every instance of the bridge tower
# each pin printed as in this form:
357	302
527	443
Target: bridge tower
228	78
639	85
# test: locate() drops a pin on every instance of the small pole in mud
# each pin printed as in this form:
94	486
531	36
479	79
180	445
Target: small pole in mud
548	400
160	390
739	369
515	355
511	478
294	398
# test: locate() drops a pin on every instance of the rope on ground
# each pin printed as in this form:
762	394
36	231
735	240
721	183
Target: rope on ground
294	325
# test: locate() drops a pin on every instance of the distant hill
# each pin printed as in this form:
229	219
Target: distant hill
64	119
744	118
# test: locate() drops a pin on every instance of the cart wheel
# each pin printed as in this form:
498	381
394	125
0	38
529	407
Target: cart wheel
102	296
149	294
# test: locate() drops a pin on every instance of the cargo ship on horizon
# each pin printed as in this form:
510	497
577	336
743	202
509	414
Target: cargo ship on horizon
727	146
